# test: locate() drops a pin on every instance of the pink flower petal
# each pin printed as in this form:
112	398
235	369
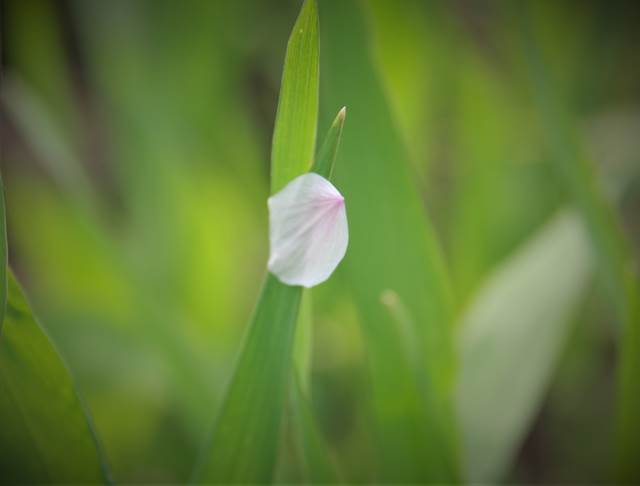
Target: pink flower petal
307	230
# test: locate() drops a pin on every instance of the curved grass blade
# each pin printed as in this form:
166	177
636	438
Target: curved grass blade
245	439
294	134
45	433
391	246
517	323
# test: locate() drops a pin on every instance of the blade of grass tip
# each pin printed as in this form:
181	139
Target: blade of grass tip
294	134
608	239
327	155
245	440
323	166
244	443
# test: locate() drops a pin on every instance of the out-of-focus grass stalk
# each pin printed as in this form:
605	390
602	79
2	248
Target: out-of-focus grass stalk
391	246
616	259
58	157
53	150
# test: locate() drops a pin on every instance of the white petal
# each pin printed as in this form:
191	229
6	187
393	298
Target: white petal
307	231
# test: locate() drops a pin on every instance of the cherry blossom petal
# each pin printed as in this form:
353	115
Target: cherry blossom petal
307	230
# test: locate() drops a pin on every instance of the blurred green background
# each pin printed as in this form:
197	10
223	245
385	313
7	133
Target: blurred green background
136	139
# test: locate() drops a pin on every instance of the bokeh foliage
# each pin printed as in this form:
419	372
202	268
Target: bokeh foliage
484	324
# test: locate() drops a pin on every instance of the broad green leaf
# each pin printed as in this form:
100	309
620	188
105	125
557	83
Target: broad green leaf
294	135
510	339
245	438
618	263
46	434
392	246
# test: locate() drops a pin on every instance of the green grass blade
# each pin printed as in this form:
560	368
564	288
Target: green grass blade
517	323
294	135
317	464
391	247
302	351
46	433
245	439
616	258
327	156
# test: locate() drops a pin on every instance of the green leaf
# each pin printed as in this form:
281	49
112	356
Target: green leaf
45	431
245	439
304	342
294	135
327	156
510	339
391	246
418	80
317	464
